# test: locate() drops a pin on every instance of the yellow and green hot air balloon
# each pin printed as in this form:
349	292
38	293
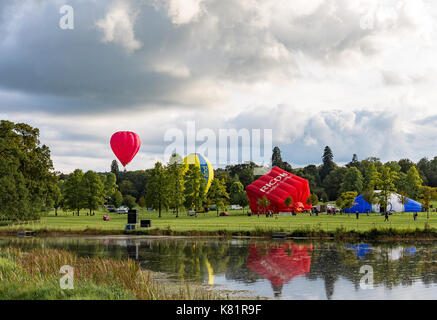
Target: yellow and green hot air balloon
205	167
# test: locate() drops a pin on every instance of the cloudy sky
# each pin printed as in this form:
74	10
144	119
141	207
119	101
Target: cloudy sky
358	76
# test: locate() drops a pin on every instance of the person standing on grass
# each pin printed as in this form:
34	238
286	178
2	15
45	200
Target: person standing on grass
357	214
367	211
415	216
386	216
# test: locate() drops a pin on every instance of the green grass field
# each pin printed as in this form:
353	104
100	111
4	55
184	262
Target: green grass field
237	221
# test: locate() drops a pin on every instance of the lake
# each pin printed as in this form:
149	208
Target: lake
272	269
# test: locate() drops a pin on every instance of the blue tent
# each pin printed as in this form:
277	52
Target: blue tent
361	206
394	205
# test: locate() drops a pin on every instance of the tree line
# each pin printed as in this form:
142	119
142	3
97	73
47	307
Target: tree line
29	185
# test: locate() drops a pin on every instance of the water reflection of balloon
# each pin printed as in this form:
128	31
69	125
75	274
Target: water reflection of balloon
205	166
125	145
281	263
210	272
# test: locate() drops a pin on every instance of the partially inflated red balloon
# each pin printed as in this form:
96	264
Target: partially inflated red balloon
125	145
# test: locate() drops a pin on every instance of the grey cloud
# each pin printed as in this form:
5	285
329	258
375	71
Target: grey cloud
73	71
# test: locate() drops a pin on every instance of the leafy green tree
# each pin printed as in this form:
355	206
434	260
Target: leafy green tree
370	175
126	187
93	191
405	165
277	160
403	198
129	201
369	196
157	188
14	195
115	169
413	182
217	194
313	199
238	195
276	157
26	177
195	195
328	163
110	183
236	189
288	202
74	193
354	162
57	196
142	202
427	194
394	166
332	182
117	199
352	181
176	183
347	200
385	182
263	203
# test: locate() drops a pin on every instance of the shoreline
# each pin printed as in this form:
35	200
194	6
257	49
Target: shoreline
386	234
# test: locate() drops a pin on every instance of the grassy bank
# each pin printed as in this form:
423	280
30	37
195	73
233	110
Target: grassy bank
35	275
237	224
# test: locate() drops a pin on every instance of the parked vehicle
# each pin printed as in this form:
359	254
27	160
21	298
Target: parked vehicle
122	210
111	208
236	207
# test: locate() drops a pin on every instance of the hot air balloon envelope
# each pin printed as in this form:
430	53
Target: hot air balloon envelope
205	167
277	185
125	145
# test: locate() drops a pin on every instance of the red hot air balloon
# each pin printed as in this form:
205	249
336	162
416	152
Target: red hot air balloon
125	145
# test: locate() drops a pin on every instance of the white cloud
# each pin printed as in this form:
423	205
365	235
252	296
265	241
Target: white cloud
184	11
118	26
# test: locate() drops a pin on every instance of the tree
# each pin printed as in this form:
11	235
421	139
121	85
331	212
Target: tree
405	165
26	177
413	182
369	196
176	183
115	169
403	199
346	199
142	202
73	191
354	162
117	199
195	195
263	203
276	157
126	187
288	202
328	163
110	183
352	181
217	194
157	188
332	182
129	201
385	182
313	199
238	195
93	191
57	196
370	174
427	194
